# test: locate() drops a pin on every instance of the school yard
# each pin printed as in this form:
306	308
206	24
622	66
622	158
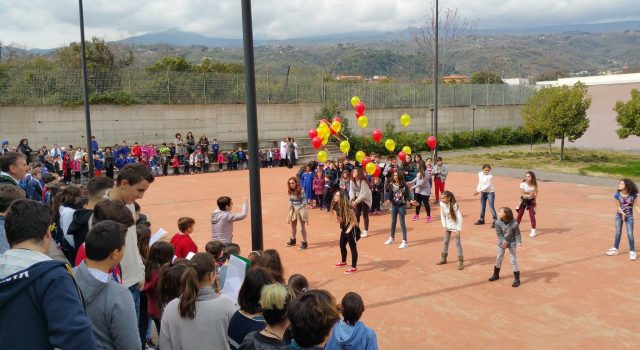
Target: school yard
572	295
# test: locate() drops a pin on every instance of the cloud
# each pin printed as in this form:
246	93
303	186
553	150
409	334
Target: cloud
46	23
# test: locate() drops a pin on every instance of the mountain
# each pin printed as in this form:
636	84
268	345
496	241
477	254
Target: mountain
566	28
180	38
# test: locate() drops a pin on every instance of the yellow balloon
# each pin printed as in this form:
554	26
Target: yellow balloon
323	126
405	120
370	168
390	145
336	126
321	132
363	121
345	146
323	156
355	100
325	140
360	156
406	150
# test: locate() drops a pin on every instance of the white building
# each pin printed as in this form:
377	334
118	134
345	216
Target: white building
517	81
612	79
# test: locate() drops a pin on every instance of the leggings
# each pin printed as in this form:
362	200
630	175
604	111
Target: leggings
439	188
422	199
328	194
319	200
532	215
447	238
363	208
376	197
348	238
500	255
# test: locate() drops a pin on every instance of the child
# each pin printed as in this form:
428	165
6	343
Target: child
160	253
297	212
398	196
440	173
181	241
175	164
346	217
487	192
108	304
222	219
199	159
221	160
207	163
318	188
298	284
229	249
508	236
528	196
350	332
376	195
422	191
345	179
307	185
626	198
451	219
216	248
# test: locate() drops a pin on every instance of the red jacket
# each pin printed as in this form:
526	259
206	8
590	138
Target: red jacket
183	245
135	151
151	290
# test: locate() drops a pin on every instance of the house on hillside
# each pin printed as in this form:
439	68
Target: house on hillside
517	81
455	79
349	77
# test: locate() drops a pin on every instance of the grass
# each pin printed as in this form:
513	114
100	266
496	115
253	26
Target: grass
576	161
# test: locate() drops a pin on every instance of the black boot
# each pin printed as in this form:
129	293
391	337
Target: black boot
443	259
516	280
496	274
292	242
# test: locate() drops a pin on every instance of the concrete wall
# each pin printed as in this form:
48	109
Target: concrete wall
158	123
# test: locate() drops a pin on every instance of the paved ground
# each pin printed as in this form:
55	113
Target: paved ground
572	295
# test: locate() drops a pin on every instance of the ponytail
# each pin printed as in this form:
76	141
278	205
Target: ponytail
201	265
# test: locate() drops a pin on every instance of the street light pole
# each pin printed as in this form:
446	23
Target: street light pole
252	128
473	125
436	78
431	109
85	88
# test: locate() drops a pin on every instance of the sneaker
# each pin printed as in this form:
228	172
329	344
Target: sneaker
633	256
416	218
612	251
403	245
377	212
479	222
389	241
364	234
533	233
291	243
350	270
303	246
340	264
428	219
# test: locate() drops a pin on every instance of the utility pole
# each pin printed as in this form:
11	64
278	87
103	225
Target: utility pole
85	88
436	76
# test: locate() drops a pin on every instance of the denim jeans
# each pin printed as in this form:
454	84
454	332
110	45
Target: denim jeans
491	196
629	221
398	210
135	292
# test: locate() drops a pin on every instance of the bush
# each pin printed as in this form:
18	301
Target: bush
109	98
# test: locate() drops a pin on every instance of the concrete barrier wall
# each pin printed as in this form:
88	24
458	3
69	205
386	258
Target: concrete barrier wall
158	123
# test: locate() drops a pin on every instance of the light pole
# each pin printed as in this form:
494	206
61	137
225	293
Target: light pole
436	77
473	125
431	109
85	89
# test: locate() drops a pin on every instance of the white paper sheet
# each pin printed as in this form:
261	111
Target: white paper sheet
157	236
234	278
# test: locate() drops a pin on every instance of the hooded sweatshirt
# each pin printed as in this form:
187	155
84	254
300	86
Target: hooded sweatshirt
358	337
111	311
40	305
222	223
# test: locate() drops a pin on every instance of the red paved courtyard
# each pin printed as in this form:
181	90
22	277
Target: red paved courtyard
572	295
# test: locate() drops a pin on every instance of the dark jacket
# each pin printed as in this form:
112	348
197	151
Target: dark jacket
41	308
257	341
79	228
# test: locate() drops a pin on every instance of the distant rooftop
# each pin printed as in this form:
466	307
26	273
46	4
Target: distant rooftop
613	79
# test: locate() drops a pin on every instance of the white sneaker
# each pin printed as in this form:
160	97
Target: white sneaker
632	256
389	241
403	245
533	233
364	234
612	251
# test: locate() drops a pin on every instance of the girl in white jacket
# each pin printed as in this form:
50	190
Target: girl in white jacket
451	219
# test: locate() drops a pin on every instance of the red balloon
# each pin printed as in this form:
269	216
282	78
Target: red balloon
313	133
316	142
366	161
402	156
333	132
337	119
360	107
326	122
432	142
377	135
378	171
358	115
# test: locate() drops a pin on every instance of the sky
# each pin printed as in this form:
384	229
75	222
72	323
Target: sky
54	23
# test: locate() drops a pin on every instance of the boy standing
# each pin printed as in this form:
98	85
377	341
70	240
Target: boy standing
8	194
222	219
109	305
440	173
181	241
40	304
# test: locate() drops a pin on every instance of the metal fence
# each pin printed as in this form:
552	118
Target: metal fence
55	87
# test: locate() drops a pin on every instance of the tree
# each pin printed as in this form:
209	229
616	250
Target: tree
209	66
171	64
486	78
628	117
550	75
101	56
558	113
451	28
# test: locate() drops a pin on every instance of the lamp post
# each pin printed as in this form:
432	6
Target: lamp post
85	90
436	78
431	109
473	125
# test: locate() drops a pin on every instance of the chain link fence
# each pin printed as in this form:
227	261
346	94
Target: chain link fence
55	87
